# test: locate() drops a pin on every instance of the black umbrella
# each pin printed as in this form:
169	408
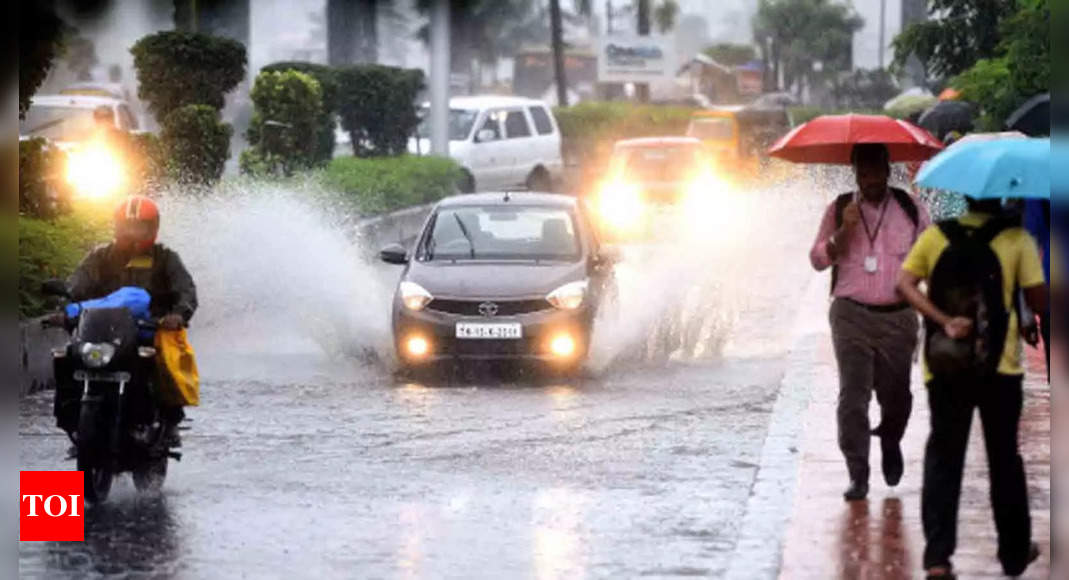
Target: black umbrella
1033	117
946	116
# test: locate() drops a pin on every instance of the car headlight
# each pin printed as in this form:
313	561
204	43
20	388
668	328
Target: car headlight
95	171
414	296
96	355
568	297
620	205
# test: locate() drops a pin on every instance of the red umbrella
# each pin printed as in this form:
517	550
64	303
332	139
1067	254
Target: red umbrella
830	138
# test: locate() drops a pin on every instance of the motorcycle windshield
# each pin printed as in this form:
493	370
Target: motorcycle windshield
111	325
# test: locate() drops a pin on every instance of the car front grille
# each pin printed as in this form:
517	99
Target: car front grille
503	307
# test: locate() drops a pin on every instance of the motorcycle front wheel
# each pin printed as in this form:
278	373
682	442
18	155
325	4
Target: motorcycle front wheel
92	462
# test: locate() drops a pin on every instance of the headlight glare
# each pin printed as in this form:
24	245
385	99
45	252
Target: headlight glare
568	297
414	296
96	355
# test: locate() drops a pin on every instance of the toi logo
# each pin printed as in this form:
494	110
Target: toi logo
51	506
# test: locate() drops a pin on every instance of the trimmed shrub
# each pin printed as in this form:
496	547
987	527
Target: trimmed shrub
197	144
176	69
385	184
284	124
52	249
377	106
328	114
41	191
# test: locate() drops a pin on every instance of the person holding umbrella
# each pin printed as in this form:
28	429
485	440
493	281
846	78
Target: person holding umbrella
973	265
863	237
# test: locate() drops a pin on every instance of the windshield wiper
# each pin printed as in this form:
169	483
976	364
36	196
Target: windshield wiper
467	235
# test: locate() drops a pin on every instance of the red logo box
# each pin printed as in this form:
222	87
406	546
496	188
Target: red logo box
51	506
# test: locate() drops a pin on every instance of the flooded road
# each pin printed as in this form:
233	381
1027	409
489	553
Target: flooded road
307	461
644	473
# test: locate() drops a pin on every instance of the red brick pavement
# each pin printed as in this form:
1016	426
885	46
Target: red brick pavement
882	538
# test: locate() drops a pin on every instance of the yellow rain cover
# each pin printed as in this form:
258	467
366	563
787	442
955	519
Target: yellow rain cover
179	379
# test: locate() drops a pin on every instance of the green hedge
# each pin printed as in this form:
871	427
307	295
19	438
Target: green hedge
377	106
384	184
801	114
284	124
197	144
327	78
52	249
41	191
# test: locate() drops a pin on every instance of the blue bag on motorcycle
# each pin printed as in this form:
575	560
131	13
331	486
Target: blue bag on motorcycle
134	299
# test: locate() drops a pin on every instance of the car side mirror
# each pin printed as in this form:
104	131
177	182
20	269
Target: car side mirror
485	135
55	288
394	254
609	255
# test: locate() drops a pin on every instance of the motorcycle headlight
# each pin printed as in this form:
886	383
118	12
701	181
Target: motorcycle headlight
568	297
414	296
96	355
95	171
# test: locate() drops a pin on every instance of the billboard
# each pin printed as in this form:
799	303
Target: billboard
635	59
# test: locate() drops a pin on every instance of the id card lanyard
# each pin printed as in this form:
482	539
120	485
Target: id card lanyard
871	263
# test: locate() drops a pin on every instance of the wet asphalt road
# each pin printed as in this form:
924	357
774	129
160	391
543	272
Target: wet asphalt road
304	465
637	473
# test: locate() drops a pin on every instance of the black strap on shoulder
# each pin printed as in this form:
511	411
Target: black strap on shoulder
953	230
840	206
905	201
957	233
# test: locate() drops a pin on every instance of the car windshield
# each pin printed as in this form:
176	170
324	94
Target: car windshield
660	163
711	128
502	233
57	123
460	123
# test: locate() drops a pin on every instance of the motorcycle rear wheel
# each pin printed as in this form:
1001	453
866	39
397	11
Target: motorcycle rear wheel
97	477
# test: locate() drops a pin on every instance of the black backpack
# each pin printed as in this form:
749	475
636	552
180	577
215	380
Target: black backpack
967	281
904	200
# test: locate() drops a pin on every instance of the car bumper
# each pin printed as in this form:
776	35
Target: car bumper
539	330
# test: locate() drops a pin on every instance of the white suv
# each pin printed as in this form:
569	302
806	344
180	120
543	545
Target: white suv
500	142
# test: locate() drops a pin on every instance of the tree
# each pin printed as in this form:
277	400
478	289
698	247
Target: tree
793	35
665	15
41	35
1020	70
729	54
557	45
197	144
957	34
175	69
377	107
328	113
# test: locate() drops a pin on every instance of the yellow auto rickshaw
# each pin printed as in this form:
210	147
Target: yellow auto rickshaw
737	138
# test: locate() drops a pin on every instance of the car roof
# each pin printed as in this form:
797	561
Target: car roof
514	198
76	101
490	101
657	142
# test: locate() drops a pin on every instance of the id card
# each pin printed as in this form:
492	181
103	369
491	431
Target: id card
870	264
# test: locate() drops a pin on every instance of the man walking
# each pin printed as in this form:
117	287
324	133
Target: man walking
864	237
973	266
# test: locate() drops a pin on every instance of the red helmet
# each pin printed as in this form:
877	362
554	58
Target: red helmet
137	221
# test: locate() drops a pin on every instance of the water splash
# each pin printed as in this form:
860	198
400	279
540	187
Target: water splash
279	275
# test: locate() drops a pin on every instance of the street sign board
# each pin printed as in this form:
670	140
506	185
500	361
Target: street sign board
635	59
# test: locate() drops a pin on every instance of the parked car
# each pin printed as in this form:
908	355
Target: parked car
502	143
501	276
67	120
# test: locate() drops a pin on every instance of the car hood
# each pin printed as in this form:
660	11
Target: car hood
489	279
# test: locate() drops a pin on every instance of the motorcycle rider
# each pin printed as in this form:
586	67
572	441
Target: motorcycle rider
134	258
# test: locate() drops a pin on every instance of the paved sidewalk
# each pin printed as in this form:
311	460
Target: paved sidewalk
882	538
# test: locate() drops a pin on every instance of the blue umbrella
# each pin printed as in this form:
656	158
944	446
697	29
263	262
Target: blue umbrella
995	169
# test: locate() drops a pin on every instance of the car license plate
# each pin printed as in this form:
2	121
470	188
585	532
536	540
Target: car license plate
119	377
497	330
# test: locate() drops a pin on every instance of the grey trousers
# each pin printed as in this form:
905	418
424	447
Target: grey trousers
875	352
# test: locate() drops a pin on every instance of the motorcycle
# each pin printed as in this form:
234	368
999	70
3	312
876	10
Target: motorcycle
105	391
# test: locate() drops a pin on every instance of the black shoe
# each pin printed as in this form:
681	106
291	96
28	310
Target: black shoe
171	437
1033	555
948	575
893	464
857	491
